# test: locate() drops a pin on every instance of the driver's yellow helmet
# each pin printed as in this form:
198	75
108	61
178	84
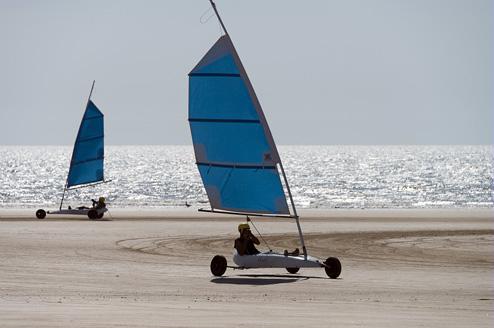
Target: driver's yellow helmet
243	226
101	199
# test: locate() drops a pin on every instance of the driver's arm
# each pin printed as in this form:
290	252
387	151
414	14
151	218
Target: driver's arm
254	239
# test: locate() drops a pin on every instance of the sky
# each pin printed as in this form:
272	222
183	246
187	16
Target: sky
354	72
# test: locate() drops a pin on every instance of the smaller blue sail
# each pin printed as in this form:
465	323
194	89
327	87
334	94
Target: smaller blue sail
86	165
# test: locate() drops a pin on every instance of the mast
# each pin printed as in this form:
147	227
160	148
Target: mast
218	15
63	195
251	89
300	234
67	179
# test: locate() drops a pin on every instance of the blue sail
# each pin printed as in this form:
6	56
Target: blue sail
234	149
86	165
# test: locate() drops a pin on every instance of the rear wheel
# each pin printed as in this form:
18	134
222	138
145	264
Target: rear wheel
218	265
100	215
40	214
92	214
292	270
333	267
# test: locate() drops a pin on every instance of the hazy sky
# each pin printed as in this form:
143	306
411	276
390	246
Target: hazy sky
326	72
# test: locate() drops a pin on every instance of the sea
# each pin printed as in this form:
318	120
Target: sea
327	177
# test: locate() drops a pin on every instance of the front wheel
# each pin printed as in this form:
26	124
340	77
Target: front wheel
218	265
100	216
92	214
40	214
292	270
332	267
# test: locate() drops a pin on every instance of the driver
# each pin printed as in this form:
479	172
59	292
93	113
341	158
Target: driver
100	203
245	243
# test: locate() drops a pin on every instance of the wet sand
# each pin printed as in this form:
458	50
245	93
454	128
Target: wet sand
407	268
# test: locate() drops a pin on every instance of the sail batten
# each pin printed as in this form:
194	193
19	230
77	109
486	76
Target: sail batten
91	138
237	166
86	165
235	152
225	120
216	74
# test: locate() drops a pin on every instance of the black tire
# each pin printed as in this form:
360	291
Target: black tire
100	216
333	267
92	214
218	265
40	214
292	270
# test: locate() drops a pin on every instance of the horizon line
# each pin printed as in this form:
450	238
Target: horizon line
281	145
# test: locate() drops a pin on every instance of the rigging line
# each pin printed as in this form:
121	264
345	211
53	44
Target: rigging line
206	16
111	216
264	240
204	20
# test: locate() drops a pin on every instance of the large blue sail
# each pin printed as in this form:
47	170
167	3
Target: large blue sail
234	149
86	165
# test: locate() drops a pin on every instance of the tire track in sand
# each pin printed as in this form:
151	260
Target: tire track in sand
433	248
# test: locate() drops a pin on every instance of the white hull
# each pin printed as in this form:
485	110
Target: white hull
92	213
275	260
75	211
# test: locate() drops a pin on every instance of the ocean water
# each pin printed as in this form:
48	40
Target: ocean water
319	176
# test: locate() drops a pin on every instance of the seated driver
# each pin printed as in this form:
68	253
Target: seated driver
100	203
245	243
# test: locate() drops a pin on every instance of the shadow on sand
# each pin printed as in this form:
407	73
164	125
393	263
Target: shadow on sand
261	279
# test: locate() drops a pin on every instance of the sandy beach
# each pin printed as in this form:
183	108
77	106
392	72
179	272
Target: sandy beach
407	268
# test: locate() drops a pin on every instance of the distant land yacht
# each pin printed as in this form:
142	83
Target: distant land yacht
86	165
